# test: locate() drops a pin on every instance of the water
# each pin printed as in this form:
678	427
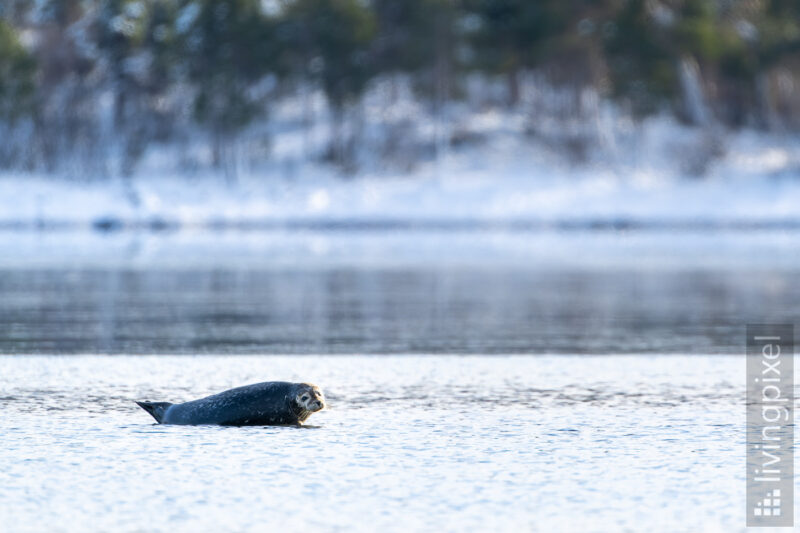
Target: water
385	293
434	443
623	410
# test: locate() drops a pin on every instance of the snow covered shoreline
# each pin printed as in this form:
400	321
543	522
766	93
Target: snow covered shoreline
508	181
587	202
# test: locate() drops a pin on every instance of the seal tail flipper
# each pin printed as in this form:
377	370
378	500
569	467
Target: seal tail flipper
156	409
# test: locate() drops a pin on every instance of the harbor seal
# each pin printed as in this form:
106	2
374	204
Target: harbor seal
261	404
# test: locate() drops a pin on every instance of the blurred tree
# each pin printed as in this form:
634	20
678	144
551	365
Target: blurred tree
778	31
696	31
508	36
119	32
17	69
227	48
119	26
438	78
67	120
161	45
698	46
775	35
17	11
335	36
333	41
641	61
415	42
405	35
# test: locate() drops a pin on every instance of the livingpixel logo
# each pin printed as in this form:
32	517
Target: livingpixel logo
770	505
770	425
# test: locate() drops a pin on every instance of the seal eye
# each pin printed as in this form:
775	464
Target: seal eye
304	397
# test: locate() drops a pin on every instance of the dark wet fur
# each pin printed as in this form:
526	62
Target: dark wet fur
156	409
260	404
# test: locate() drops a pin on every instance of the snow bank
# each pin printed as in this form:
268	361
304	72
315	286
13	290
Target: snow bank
506	180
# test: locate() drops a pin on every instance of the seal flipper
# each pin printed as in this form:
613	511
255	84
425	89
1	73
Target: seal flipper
156	409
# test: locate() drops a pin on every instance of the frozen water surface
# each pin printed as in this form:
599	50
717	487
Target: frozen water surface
457	443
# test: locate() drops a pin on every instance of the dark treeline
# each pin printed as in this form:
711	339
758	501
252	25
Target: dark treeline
77	76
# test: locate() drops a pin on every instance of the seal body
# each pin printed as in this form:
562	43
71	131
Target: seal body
261	404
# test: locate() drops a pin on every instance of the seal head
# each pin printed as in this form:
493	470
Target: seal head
308	400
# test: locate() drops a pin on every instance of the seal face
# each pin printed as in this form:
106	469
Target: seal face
260	404
309	399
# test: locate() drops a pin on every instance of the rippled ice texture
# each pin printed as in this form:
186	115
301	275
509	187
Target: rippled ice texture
547	443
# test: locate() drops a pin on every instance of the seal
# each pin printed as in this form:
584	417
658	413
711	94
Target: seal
261	404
